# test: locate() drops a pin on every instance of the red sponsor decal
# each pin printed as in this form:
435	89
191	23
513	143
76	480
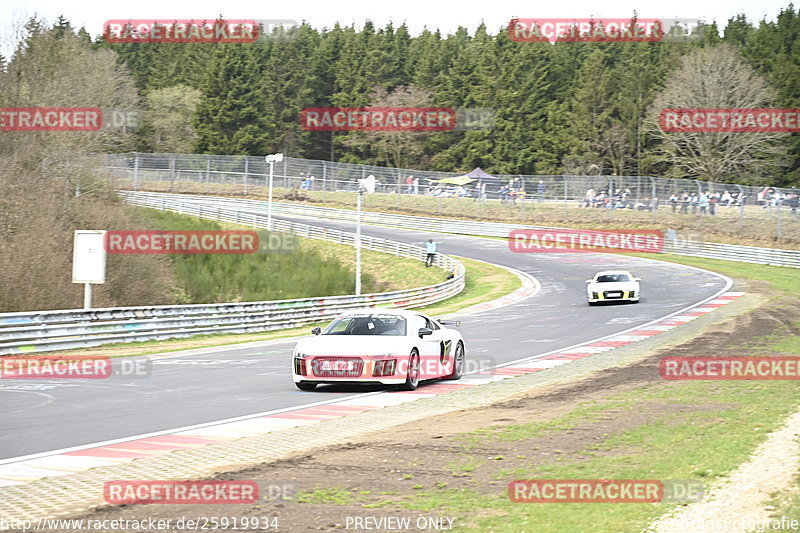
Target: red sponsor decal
51	118
181	31
180	492
734	120
729	368
378	118
585	30
578	240
181	242
586	491
55	367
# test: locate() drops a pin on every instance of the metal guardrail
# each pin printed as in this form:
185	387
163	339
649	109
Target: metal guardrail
41	331
711	250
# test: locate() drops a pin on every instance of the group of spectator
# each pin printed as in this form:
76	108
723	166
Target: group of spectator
619	199
705	202
412	185
699	202
307	183
769	197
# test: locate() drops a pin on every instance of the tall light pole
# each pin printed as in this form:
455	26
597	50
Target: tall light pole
271	159
364	185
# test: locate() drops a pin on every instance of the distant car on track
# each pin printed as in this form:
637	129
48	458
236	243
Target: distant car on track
612	285
391	347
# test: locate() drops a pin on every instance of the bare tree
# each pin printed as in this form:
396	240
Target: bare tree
614	147
717	78
168	119
399	149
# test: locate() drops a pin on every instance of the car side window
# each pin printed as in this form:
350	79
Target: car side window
431	324
416	322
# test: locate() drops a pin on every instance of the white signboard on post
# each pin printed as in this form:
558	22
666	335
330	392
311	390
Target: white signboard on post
89	261
89	257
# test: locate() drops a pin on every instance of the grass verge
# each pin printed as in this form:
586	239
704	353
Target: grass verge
671	430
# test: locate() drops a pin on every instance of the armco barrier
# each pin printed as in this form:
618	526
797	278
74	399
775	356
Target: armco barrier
41	331
711	250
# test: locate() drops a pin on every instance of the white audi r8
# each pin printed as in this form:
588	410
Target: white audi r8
612	285
391	347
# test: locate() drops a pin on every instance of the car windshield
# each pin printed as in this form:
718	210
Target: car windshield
367	325
611	278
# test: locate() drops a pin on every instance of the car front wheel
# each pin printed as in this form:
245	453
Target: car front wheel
458	363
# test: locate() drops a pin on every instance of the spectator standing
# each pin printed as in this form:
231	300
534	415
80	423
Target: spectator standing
673	201
415	183
430	250
702	201
540	191
685	201
409	184
693	201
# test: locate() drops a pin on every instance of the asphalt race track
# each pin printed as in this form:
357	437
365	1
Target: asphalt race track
46	415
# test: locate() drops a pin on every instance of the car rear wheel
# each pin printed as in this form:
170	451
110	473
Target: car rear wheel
412	377
458	362
306	385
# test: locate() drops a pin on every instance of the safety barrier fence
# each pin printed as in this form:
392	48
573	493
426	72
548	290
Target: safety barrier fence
41	331
673	244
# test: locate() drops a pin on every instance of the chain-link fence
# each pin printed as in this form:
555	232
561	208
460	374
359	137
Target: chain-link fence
743	211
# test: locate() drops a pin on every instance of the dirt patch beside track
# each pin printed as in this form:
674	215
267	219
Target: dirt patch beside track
479	449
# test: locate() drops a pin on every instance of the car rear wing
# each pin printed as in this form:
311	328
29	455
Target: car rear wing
456	323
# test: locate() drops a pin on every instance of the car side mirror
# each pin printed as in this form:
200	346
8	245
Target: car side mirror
637	279
424	331
588	281
316	331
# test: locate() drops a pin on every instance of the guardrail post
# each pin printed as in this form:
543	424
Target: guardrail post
324	181
135	171
246	172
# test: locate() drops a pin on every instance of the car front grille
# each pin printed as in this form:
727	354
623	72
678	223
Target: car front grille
337	367
611	295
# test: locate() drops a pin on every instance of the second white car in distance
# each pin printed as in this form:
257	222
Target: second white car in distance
613	286
390	347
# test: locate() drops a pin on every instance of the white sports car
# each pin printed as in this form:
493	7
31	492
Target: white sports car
392	347
612	285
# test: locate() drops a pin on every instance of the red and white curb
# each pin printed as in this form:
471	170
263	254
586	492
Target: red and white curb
63	462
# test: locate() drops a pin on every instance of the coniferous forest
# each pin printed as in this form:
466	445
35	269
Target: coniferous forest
558	108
